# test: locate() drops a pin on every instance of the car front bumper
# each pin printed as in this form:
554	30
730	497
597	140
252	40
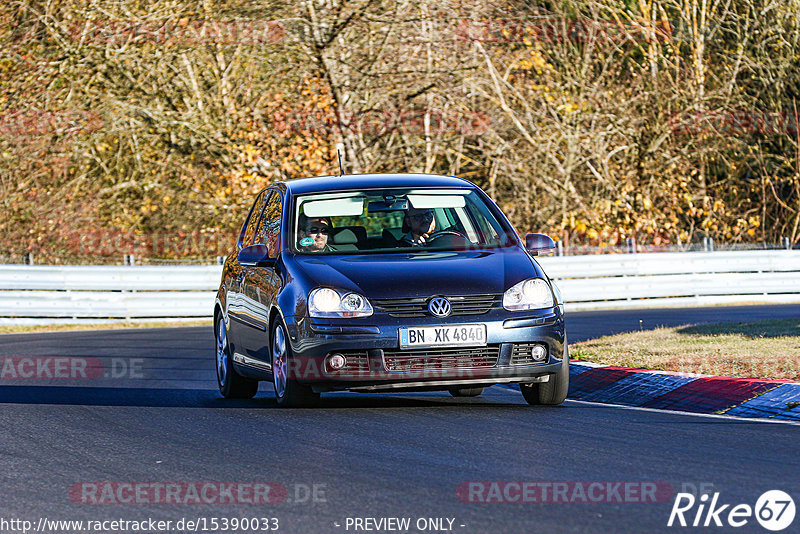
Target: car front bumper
373	344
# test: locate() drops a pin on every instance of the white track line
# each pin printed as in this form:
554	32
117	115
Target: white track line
729	418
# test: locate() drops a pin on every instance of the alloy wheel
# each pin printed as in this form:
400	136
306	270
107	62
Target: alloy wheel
279	363
222	353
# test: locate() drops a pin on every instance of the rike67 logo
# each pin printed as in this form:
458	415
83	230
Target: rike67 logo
774	510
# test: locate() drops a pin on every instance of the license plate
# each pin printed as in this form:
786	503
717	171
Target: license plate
473	335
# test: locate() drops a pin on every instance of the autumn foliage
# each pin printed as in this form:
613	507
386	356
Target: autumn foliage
594	121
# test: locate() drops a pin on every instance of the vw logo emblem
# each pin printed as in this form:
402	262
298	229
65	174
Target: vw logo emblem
439	307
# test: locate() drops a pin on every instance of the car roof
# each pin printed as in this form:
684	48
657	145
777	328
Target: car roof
320	184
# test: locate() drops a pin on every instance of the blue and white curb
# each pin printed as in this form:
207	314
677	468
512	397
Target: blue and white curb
685	392
742	397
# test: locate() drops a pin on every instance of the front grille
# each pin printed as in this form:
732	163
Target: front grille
521	354
455	358
418	307
355	362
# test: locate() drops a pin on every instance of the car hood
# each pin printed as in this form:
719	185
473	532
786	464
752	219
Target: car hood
421	273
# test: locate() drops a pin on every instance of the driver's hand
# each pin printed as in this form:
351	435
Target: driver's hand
420	240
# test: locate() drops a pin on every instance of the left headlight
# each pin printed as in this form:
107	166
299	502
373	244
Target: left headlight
531	294
327	302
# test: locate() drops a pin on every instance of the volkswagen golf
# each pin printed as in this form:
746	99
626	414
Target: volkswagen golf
386	282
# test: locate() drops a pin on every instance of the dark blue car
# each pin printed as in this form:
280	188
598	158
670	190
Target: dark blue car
394	282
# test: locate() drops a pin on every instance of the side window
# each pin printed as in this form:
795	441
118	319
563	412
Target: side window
254	218
269	229
262	220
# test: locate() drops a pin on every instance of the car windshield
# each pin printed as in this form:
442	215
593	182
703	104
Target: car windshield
396	220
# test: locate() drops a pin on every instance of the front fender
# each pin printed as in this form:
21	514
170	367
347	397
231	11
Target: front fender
291	301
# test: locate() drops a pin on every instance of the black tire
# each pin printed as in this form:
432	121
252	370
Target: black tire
288	392
231	384
552	392
465	392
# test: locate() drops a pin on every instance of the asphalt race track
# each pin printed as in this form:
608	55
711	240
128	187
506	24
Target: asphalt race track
152	414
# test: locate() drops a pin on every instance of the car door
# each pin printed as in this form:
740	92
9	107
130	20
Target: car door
261	284
236	299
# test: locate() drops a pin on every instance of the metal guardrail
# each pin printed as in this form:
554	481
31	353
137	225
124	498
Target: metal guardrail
35	294
676	279
31	294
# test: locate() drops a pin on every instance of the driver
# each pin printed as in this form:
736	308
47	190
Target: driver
418	224
314	232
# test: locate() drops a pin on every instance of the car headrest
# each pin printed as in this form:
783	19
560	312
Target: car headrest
345	236
396	233
360	231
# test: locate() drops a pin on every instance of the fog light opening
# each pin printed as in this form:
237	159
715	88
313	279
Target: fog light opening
539	353
336	362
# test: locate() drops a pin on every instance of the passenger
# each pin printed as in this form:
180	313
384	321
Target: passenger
313	233
418	224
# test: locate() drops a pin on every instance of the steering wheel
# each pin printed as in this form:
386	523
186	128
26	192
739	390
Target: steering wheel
443	233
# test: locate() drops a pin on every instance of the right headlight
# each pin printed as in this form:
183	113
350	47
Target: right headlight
531	294
326	302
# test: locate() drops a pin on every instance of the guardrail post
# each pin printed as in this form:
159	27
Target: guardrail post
786	244
129	259
28	258
559	249
220	260
708	244
630	244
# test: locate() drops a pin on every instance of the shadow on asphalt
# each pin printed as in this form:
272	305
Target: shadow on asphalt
188	398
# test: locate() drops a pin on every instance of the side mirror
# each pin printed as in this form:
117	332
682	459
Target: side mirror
255	256
539	244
